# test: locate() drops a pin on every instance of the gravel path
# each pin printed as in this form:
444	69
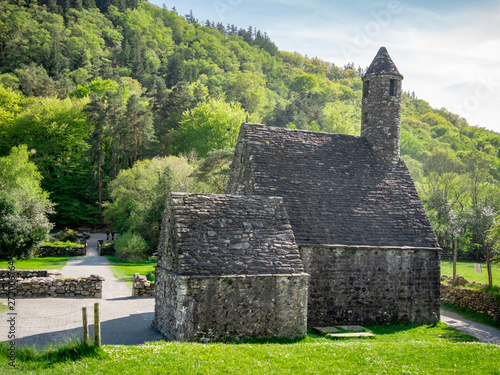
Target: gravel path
124	320
480	331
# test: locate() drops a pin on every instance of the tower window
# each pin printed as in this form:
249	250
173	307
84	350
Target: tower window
392	91
366	88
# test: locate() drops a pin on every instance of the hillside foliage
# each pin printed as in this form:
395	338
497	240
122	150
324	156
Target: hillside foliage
95	87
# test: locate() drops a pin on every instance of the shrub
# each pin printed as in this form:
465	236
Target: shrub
131	246
67	235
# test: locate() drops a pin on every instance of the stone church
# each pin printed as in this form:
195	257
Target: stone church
315	229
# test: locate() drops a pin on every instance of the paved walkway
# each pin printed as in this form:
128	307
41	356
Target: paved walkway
124	320
480	331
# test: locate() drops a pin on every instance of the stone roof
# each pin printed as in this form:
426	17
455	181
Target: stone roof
383	64
217	235
334	188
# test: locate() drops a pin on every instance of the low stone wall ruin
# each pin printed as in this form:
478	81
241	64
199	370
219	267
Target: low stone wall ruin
43	283
141	287
476	300
58	251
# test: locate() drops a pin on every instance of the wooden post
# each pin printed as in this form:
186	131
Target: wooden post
454	261
85	326
97	325
488	264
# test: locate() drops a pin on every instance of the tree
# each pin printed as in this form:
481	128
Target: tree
213	125
24	205
214	170
57	133
304	83
340	118
138	194
137	131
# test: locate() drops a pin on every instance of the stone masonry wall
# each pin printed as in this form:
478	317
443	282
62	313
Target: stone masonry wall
56	251
24	274
372	285
476	300
20	284
211	308
141	287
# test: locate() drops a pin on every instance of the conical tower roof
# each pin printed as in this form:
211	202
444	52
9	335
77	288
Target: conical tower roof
383	64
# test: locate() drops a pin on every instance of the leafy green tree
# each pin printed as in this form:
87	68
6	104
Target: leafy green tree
209	126
304	83
138	195
213	171
137	132
24	205
341	118
34	81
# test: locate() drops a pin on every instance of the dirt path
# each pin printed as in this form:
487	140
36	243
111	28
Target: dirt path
124	320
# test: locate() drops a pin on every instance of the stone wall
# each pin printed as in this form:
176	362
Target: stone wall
194	308
43	283
57	251
476	300
141	287
372	284
24	274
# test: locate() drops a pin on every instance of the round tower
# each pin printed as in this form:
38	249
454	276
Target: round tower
381	107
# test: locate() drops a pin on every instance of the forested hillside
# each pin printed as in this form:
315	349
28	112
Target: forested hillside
96	89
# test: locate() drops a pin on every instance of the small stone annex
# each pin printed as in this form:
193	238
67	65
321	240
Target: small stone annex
314	229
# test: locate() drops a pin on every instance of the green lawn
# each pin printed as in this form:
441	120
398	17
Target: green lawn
124	270
466	269
400	349
48	263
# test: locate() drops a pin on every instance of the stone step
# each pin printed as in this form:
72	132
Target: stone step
350	335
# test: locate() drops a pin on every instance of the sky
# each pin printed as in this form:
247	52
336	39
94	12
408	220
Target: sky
448	51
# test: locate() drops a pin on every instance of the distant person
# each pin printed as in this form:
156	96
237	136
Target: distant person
112	236
107	235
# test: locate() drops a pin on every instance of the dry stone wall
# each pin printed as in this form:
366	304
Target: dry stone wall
43	283
476	300
371	285
58	251
141	287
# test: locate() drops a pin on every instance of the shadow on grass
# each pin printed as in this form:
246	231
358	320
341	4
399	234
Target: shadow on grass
70	351
389	329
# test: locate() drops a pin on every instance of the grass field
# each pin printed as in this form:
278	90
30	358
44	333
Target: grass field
48	263
124	270
466	269
399	349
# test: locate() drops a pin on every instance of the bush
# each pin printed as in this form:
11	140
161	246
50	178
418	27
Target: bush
61	244
131	246
67	235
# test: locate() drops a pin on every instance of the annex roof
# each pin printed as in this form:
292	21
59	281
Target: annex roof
218	235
